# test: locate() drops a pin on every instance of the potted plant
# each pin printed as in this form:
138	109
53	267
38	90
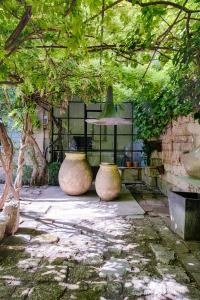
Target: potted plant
135	164
184	208
128	163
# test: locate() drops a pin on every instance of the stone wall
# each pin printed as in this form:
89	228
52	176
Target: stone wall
181	135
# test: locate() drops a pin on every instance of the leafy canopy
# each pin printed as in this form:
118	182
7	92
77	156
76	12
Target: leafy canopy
147	49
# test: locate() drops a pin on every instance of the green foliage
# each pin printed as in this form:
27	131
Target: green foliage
148	148
151	117
150	54
53	169
27	172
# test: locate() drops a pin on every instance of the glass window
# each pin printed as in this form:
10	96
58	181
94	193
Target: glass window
93	158
76	110
107	157
99	138
76	126
126	110
124	129
123	141
107	142
61	114
93	106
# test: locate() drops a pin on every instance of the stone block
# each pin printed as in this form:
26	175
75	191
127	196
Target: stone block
163	254
114	268
46	238
196	277
167	146
187	146
177	146
173	273
183	139
190	263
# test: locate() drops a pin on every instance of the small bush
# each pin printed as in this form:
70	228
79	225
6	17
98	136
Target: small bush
53	169
26	177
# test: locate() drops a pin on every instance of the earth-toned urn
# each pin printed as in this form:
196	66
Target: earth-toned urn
108	182
75	175
191	162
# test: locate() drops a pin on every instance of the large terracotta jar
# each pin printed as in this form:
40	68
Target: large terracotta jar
191	162
75	175
108	182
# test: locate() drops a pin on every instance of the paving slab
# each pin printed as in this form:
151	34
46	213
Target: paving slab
55	194
163	254
171	272
54	205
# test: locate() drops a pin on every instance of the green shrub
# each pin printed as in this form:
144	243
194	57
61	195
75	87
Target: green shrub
26	177
53	169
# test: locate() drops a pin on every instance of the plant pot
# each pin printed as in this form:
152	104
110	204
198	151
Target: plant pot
108	182
75	175
129	164
184	208
135	164
191	162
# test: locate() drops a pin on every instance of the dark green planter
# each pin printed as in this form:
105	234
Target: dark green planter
184	210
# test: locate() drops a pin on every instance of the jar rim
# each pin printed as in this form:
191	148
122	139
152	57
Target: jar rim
75	155
74	152
107	164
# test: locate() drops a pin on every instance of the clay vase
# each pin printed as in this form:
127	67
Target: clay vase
75	175
135	164
129	164
191	162
108	182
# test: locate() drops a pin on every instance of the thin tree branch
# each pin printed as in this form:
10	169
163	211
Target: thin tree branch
71	7
163	54
166	3
15	34
187	25
162	37
105	9
7	82
103	47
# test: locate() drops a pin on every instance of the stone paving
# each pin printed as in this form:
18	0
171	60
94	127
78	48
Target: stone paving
97	256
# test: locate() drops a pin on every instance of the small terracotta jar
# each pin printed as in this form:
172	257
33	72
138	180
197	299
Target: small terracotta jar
135	164
128	164
75	175
108	182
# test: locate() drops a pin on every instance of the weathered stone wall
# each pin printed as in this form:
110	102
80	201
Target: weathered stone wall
181	135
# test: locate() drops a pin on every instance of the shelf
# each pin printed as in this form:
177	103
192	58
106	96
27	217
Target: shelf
95	134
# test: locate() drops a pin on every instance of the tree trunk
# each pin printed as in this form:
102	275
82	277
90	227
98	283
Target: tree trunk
35	165
39	162
6	159
21	160
11	211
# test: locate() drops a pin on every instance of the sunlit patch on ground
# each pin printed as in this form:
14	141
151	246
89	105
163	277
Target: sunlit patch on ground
120	258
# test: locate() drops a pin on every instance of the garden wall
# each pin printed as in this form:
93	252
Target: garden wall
181	135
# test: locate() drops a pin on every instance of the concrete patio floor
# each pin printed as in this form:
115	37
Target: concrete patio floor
85	249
